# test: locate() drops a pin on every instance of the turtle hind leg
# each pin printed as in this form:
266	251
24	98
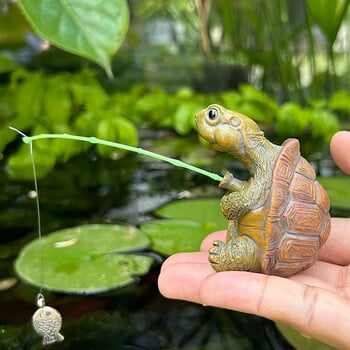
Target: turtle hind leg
240	253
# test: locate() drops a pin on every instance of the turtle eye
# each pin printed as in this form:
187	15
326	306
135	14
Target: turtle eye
212	114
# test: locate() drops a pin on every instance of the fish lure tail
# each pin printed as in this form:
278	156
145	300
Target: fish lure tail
58	337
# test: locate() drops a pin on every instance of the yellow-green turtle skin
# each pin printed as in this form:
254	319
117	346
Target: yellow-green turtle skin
278	219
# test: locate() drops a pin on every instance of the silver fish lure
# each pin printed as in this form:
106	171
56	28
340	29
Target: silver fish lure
47	322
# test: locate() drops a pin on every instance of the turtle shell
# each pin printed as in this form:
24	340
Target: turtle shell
294	222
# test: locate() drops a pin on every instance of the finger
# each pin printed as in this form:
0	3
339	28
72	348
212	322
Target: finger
339	146
208	241
182	280
324	275
186	258
337	247
315	312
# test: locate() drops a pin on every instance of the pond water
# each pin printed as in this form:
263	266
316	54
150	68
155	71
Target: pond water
90	190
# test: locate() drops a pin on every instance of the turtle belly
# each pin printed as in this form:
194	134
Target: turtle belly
253	226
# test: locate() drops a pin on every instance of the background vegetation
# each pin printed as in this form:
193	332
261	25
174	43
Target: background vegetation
285	63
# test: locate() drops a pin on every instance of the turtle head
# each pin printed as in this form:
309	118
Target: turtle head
229	131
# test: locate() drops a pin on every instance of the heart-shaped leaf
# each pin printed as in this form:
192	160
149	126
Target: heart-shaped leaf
93	29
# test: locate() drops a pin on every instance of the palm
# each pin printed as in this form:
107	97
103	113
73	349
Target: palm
302	300
332	271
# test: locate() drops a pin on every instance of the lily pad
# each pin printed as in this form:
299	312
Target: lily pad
338	189
170	236
184	225
205	211
85	259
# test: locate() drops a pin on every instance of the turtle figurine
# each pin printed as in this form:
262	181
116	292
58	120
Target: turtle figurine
279	218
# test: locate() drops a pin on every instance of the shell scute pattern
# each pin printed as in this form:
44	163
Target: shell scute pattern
295	230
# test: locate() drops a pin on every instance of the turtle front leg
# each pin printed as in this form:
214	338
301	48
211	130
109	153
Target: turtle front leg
232	230
241	253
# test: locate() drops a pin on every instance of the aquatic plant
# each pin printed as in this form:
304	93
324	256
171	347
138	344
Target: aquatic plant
77	103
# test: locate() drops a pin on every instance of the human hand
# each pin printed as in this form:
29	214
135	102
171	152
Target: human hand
316	301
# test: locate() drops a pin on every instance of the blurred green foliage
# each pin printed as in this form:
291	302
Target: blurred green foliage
292	48
76	103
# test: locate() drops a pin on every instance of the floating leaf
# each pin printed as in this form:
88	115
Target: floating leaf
206	211
189	221
85	259
170	236
93	29
338	189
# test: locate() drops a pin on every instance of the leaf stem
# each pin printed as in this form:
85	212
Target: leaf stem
95	140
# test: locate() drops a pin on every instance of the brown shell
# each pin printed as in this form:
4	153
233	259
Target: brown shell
295	220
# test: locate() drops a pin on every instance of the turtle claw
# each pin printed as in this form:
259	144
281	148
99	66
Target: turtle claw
216	254
217	244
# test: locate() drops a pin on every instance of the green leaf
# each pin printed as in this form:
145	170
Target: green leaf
7	135
324	124
257	104
189	222
206	211
29	95
85	259
93	29
7	64
338	190
340	101
127	132
20	163
119	130
329	15
184	117
170	236
292	120
57	102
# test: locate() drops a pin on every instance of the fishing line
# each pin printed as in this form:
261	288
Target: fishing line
46	321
